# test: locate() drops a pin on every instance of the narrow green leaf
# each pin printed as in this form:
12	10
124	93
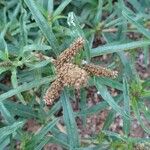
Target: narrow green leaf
146	55
137	113
51	140
40	135
5	143
83	97
21	110
110	118
107	49
3	56
69	120
25	87
3	70
50	7
61	7
36	47
132	20
43	25
56	107
108	98
127	64
94	109
23	28
6	114
5	131
98	14
15	85
116	135
126	122
37	65
112	114
109	82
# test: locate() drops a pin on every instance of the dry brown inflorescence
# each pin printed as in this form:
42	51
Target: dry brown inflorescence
69	74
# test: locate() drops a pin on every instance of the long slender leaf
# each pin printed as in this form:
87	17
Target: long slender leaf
43	25
106	49
6	114
126	122
24	87
69	120
108	98
137	113
5	131
139	27
61	7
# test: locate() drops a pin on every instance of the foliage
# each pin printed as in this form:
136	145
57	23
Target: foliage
28	27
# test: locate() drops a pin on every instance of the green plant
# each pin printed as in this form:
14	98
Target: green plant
34	33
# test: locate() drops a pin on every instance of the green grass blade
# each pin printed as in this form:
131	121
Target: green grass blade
25	87
36	47
109	82
50	7
15	85
146	56
94	109
111	115
108	98
6	114
127	65
69	120
5	142
45	130
83	97
138	115
107	49
126	122
115	135
5	131
3	56
43	25
56	107
61	7
51	140
21	110
139	27
99	12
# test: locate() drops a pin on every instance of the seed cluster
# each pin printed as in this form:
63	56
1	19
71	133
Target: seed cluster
53	92
99	71
72	75
69	53
69	74
6	64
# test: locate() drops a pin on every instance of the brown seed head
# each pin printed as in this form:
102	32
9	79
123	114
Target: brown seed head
99	71
72	75
53	92
6	64
69	53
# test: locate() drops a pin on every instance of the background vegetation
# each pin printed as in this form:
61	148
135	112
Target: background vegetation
118	29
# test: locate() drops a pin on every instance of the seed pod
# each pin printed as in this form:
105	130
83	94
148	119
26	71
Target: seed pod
99	71
53	92
6	64
72	75
69	53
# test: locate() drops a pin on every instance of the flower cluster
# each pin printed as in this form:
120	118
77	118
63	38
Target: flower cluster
69	74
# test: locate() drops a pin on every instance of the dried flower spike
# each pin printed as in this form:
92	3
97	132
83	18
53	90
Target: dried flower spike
69	53
53	92
72	75
6	64
99	71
